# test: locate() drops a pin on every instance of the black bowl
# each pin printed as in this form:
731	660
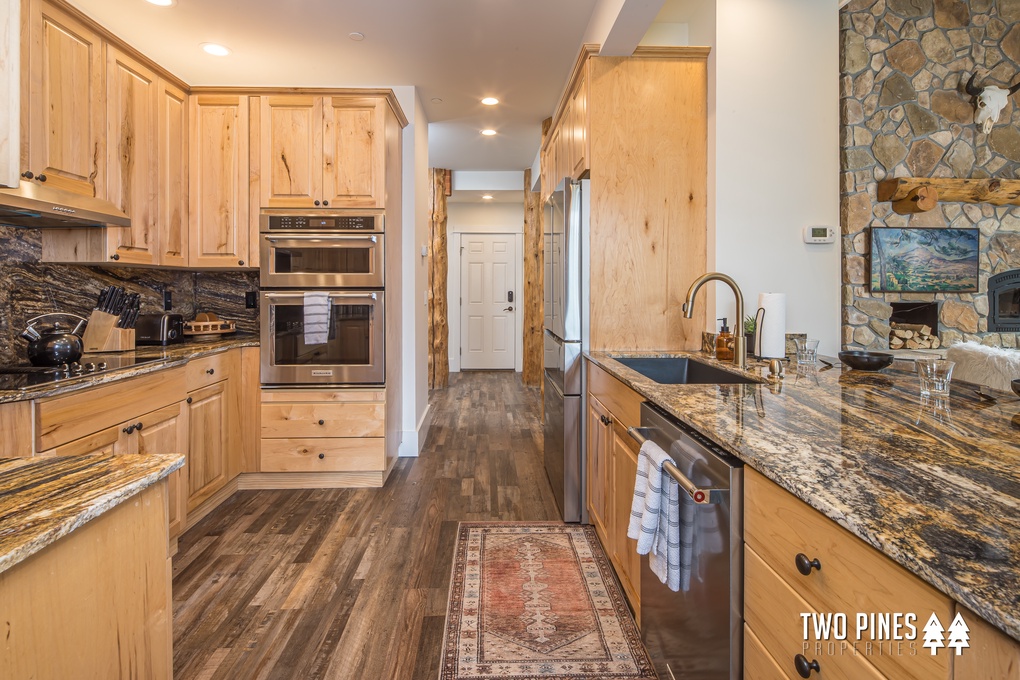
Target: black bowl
866	361
1015	384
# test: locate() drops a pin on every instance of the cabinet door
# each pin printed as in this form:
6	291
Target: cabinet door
218	195
166	431
65	114
208	442
625	556
579	127
354	157
172	227
599	480
107	441
132	95
10	94
291	148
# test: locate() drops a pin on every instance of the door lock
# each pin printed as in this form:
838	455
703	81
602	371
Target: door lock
509	296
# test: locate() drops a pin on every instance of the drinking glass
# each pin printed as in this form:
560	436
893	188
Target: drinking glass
934	375
807	351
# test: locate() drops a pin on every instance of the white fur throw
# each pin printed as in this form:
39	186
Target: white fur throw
983	365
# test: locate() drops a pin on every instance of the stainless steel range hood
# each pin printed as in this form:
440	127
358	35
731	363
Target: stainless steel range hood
33	204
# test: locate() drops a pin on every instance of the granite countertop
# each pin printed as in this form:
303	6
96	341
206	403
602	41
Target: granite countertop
937	490
153	358
44	499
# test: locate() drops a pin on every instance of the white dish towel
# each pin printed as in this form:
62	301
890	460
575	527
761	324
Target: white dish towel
316	321
662	520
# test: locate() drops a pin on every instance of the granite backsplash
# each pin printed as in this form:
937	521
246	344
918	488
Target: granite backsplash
29	288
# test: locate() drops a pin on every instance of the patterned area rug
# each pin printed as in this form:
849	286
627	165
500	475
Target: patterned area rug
537	601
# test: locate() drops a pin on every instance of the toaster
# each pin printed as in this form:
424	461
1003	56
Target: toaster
159	329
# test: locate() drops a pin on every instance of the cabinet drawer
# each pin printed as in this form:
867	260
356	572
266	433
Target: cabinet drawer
758	663
64	419
324	455
284	420
206	371
772	611
620	400
854	576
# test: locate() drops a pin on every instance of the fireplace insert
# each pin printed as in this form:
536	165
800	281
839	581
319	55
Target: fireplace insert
1004	302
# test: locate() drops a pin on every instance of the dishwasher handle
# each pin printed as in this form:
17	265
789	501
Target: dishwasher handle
699	495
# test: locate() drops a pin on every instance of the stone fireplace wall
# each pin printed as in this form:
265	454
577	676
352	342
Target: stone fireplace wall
904	113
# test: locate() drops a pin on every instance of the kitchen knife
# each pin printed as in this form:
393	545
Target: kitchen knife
104	299
117	304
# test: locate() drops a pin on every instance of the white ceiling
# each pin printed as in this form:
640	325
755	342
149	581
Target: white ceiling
456	51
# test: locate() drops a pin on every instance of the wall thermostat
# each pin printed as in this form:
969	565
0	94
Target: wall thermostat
819	235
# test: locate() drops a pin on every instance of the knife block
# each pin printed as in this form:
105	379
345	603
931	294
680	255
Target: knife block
102	334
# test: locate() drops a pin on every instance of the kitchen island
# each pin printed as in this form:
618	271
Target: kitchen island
84	566
935	490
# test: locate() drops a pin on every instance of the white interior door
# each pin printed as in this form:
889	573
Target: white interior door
488	300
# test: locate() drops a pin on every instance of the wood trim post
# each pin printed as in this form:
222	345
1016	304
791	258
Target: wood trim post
534	274
439	328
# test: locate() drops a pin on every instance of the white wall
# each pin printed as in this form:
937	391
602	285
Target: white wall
481	218
413	389
774	152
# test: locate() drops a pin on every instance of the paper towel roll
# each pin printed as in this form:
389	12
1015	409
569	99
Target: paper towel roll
770	336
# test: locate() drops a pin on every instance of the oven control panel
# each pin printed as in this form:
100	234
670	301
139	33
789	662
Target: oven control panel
321	223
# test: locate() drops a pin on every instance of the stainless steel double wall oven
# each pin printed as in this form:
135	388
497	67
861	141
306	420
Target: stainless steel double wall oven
323	297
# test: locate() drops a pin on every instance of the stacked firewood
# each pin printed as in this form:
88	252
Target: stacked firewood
912	336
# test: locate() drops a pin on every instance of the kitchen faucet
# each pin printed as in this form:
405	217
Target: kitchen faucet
739	341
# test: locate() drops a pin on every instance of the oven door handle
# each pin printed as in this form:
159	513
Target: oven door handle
305	238
348	296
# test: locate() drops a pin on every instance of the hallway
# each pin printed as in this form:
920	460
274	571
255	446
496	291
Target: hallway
352	583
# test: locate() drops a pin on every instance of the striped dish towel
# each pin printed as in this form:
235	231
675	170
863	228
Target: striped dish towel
316	319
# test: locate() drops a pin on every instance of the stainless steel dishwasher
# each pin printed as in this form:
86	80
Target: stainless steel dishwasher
698	633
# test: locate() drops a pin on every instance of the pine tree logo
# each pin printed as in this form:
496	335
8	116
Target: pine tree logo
933	634
958	634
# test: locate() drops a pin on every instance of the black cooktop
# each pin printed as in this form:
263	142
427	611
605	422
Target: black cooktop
24	376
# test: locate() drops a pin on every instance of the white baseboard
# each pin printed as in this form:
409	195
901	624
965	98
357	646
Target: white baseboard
412	441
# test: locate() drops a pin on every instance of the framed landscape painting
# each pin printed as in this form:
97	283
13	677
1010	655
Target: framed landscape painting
924	260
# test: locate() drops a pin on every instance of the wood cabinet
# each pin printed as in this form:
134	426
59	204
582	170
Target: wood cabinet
323	431
850	576
219	179
63	127
992	655
637	127
173	225
213	425
613	408
10	94
322	151
166	431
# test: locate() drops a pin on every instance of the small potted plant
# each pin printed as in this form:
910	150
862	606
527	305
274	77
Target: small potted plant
749	327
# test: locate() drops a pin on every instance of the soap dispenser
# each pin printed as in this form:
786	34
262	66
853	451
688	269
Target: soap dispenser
724	343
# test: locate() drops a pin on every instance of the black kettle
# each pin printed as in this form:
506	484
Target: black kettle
54	339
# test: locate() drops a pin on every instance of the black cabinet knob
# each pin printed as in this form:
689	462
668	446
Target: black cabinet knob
321	456
129	429
316	202
115	256
138	426
189	400
322	422
325	202
28	174
804	565
240	262
41	178
211	371
804	667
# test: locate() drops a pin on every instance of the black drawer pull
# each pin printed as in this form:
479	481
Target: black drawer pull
804	565
129	429
41	178
804	667
211	371
115	256
28	174
138	426
321	456
322	422
189	400
240	262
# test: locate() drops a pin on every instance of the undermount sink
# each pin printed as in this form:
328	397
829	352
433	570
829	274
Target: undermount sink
682	371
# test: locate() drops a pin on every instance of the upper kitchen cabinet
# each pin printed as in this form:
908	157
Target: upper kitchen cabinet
323	151
172	159
63	127
218	138
10	93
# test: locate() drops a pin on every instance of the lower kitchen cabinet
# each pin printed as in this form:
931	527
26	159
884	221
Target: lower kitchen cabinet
214	440
613	408
166	431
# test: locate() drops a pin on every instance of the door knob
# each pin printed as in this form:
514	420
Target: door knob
509	309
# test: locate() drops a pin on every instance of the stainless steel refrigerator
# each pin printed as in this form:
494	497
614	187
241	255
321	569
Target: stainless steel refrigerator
566	337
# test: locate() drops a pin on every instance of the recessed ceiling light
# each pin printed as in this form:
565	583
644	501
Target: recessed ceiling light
488	101
163	3
488	133
356	36
215	50
487	197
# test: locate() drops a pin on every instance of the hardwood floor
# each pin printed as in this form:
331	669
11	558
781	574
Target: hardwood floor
352	583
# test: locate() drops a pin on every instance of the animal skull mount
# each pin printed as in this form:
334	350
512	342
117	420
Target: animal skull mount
991	100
